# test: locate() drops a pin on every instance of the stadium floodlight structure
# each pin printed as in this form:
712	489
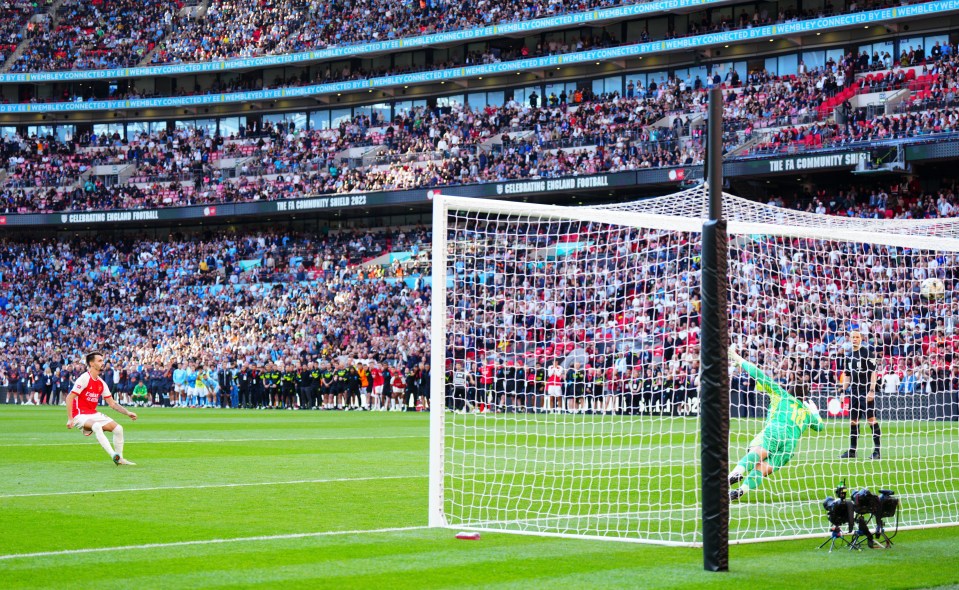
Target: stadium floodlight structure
612	294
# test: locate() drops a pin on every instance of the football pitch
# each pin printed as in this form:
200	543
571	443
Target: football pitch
313	499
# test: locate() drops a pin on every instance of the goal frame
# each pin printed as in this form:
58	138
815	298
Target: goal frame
442	205
437	514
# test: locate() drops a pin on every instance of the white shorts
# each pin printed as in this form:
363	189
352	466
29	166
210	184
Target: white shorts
554	390
178	388
80	419
377	390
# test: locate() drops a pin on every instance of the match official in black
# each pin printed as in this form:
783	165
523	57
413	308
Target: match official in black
859	378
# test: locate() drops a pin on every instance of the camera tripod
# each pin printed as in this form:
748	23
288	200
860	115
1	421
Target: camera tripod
835	536
877	540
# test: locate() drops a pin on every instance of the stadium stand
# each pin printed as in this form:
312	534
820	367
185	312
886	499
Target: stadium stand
270	307
14	18
213	300
286	26
98	34
575	134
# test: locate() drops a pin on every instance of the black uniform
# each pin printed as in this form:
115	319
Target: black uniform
288	386
412	389
245	383
271	380
340	382
655	391
353	387
538	392
521	390
508	388
634	395
575	383
423	387
309	381
326	383
860	366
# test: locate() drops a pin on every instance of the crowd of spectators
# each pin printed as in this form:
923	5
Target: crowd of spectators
14	18
261	315
260	303
247	28
617	310
96	34
41	162
860	128
584	134
652	125
53	173
264	316
927	109
292	26
898	200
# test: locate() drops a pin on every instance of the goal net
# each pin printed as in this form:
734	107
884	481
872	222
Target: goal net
566	355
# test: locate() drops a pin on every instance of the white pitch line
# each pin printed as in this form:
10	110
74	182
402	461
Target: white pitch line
228	440
209	542
213	485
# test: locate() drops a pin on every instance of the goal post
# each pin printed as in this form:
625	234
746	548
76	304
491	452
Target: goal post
714	338
565	392
438	318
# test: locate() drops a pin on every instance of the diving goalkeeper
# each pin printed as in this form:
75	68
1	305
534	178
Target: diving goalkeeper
787	419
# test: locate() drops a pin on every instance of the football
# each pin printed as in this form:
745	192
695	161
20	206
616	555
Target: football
932	289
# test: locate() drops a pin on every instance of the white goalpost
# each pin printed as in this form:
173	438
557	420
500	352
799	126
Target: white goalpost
565	351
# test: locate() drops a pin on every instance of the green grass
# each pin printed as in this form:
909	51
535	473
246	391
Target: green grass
637	477
306	500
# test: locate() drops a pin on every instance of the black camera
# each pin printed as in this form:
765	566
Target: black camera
838	510
861	507
865	502
884	505
888	504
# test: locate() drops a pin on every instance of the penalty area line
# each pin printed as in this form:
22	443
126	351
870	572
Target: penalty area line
209	542
212	485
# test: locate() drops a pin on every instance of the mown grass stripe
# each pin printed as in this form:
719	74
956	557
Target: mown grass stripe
207	542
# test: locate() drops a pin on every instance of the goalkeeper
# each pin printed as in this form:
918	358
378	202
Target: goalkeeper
140	395
787	419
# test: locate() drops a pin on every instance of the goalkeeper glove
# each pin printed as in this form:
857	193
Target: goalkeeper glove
734	356
811	406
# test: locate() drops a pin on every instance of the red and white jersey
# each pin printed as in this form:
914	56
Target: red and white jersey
398	383
487	374
555	375
88	392
377	377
